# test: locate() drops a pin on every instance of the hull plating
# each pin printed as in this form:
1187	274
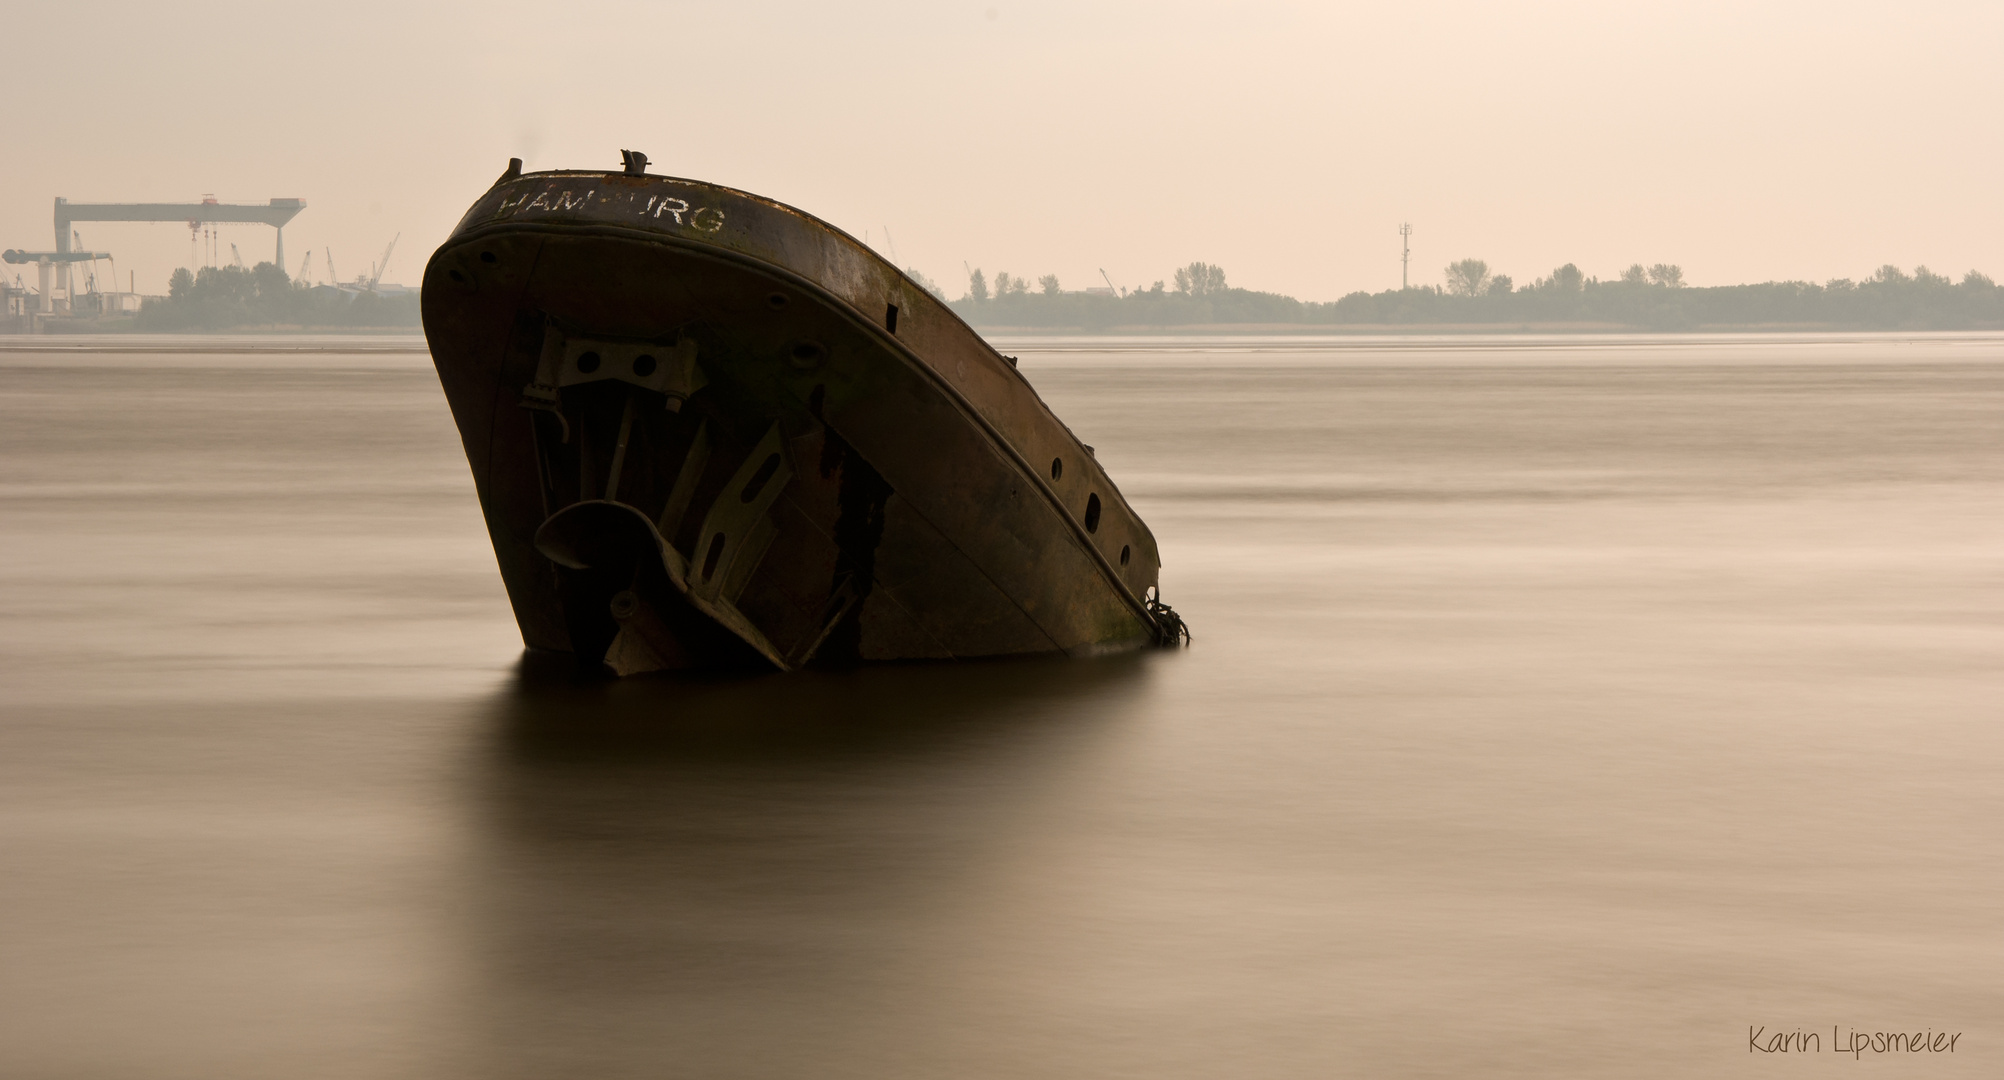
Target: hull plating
709	430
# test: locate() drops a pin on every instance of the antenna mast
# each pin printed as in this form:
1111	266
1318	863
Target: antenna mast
1405	255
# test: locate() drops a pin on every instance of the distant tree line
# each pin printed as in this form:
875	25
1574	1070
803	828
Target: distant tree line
1641	297
223	297
1644	297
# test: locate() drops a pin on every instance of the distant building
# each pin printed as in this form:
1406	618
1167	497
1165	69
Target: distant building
21	308
107	303
18	305
352	290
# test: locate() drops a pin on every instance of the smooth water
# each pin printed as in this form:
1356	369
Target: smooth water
1557	707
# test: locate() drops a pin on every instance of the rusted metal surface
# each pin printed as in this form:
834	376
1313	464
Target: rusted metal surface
708	429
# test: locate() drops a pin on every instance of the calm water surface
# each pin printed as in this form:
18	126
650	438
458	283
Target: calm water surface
1557	708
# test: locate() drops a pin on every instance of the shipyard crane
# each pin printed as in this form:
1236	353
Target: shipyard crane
89	269
275	213
305	265
385	264
331	278
236	256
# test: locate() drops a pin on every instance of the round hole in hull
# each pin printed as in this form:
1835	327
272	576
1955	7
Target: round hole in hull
1057	467
1092	513
1125	551
643	365
588	362
807	355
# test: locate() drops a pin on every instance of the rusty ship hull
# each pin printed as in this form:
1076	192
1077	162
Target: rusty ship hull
710	430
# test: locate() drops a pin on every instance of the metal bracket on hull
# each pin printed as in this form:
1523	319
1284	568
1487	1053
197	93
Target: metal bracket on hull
737	530
686	480
568	360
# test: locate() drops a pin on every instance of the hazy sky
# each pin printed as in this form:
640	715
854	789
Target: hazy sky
1285	141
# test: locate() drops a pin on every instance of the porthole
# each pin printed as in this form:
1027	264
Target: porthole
1092	513
488	258
588	362
643	365
806	355
456	276
777	300
1125	551
1057	467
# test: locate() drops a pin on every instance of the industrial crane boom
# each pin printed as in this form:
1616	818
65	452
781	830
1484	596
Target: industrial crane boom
385	264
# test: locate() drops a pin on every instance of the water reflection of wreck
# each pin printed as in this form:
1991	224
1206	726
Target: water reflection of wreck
709	430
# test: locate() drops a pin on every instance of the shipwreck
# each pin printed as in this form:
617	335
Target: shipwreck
710	430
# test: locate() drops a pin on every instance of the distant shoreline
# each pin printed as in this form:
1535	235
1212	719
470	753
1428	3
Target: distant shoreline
1032	340
78	333
1566	302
